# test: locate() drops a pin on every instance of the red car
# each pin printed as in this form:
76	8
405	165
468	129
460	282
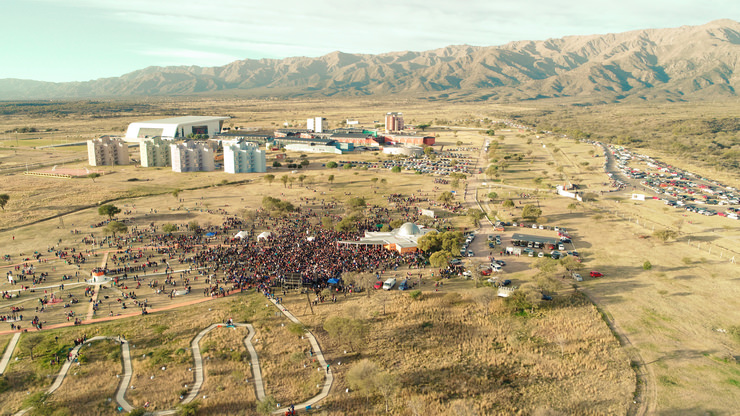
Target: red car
378	284
596	274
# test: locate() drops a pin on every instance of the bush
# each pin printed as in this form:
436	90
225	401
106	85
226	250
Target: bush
415	294
647	265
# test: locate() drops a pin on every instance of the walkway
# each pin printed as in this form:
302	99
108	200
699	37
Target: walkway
9	352
322	362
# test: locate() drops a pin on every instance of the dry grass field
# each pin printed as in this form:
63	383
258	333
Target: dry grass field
456	351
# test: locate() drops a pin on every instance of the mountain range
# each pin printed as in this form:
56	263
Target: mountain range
676	64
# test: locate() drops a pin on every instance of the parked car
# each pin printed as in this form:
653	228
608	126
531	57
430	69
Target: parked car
404	285
455	262
506	282
577	277
501	263
596	274
378	284
540	254
490	238
470	253
388	285
546	297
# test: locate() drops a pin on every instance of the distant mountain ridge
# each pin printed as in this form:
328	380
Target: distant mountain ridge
688	62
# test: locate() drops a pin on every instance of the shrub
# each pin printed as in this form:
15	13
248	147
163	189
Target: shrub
415	294
647	265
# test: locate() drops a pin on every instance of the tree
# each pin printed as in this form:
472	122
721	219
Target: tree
109	210
115	227
396	169
169	228
194	226
189	409
361	377
4	198
93	176
301	178
508	203
331	165
30	342
572	207
374	181
492	195
331	179
446	197
475	216
492	171
269	178
357	202
665	235
422	126
428	150
440	259
647	265
531	212
387	385
267	406
284	179
327	222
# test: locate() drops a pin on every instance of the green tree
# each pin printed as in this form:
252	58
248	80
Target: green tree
115	227
285	179
374	181
176	192
492	195
440	259
396	169
422	126
665	235
269	178
572	207
647	265
30	342
301	178
188	409
397	223
169	228
331	165
356	203
266	406
518	301
475	216
4	198
331	179
531	212
194	226
446	197
508	203
109	210
93	176
428	150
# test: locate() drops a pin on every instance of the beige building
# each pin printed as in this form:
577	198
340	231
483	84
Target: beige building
155	153
243	157
192	157
107	151
393	122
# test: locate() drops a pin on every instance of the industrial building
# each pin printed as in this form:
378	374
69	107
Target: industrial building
412	139
393	122
107	151
243	157
319	148
176	127
192	157
155	153
410	151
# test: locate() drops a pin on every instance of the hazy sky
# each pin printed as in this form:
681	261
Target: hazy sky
79	40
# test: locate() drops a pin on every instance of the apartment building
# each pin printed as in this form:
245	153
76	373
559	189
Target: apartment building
243	157
192	157
107	151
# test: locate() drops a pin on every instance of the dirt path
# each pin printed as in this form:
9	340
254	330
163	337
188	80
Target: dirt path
9	352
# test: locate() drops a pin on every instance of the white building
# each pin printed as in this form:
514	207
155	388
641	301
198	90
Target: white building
316	124
404	239
192	157
243	157
176	127
107	151
155	153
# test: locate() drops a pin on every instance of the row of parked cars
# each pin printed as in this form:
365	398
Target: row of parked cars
391	282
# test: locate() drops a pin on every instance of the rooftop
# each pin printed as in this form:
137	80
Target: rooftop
184	120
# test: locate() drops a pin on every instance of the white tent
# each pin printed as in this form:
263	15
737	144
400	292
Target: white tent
264	235
241	234
310	238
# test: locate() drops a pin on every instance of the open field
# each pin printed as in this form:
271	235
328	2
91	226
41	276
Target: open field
456	350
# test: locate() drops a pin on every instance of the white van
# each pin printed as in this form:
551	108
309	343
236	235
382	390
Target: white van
388	285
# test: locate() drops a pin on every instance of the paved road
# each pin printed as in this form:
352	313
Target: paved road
9	352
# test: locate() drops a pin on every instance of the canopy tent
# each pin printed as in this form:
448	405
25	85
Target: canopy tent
310	238
211	234
332	281
241	234
264	235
